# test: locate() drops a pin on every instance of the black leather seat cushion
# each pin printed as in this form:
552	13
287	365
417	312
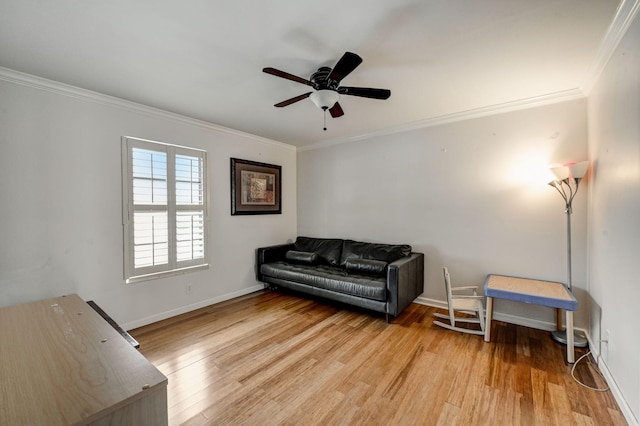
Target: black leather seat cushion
329	278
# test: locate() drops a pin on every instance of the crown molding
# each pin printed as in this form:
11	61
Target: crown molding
51	86
625	14
536	101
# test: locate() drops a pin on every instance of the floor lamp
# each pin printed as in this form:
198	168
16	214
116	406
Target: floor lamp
567	181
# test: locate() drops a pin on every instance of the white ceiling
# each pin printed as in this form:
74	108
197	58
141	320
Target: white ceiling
204	58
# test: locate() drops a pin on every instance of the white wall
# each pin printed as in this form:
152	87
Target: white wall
471	195
61	210
614	225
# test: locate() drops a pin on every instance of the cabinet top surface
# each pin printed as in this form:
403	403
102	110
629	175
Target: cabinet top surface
61	363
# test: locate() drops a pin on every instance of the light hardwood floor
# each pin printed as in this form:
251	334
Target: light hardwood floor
270	358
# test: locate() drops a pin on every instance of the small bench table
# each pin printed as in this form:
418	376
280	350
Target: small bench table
526	290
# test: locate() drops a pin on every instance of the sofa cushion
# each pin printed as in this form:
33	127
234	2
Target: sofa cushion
385	252
330	278
328	249
365	266
303	257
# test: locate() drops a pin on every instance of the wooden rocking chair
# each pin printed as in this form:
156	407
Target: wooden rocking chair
468	304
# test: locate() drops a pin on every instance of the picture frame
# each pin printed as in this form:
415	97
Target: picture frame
256	188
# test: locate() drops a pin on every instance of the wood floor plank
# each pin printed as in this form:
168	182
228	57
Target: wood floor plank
279	359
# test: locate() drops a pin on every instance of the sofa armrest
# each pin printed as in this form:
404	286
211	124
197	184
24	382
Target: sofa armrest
271	254
405	282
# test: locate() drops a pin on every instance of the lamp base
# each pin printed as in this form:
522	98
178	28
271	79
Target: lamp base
579	340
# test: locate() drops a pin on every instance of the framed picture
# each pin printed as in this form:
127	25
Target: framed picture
255	188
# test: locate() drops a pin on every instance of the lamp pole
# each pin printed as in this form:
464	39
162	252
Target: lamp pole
568	192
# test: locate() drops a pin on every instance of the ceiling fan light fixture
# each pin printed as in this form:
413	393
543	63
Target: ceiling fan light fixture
324	99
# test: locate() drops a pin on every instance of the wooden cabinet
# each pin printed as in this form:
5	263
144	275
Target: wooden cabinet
62	364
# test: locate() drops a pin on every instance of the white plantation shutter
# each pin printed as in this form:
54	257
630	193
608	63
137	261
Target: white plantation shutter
150	209
189	236
164	193
189	208
150	239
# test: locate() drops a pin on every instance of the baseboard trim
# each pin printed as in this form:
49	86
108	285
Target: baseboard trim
188	308
617	393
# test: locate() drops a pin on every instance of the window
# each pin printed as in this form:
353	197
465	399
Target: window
164	209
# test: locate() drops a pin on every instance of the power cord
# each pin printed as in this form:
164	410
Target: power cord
597	371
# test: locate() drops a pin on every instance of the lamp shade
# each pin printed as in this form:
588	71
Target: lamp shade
324	99
578	170
560	172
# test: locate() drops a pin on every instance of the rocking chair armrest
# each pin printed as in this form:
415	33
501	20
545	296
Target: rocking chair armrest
462	296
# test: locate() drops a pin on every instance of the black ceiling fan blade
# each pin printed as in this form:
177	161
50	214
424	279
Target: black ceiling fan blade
288	76
336	110
292	100
345	65
365	92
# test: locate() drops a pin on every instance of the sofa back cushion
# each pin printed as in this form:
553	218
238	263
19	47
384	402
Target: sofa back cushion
327	249
384	252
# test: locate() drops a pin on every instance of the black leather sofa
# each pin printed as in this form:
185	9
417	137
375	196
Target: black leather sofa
380	277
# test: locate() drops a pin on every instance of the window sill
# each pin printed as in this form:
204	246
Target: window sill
164	274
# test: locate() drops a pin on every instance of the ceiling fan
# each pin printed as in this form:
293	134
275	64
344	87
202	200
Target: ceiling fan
326	85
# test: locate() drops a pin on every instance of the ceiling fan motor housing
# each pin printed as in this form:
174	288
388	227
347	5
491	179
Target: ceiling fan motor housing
321	79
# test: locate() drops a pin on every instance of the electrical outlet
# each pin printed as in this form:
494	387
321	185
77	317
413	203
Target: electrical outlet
605	348
187	289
